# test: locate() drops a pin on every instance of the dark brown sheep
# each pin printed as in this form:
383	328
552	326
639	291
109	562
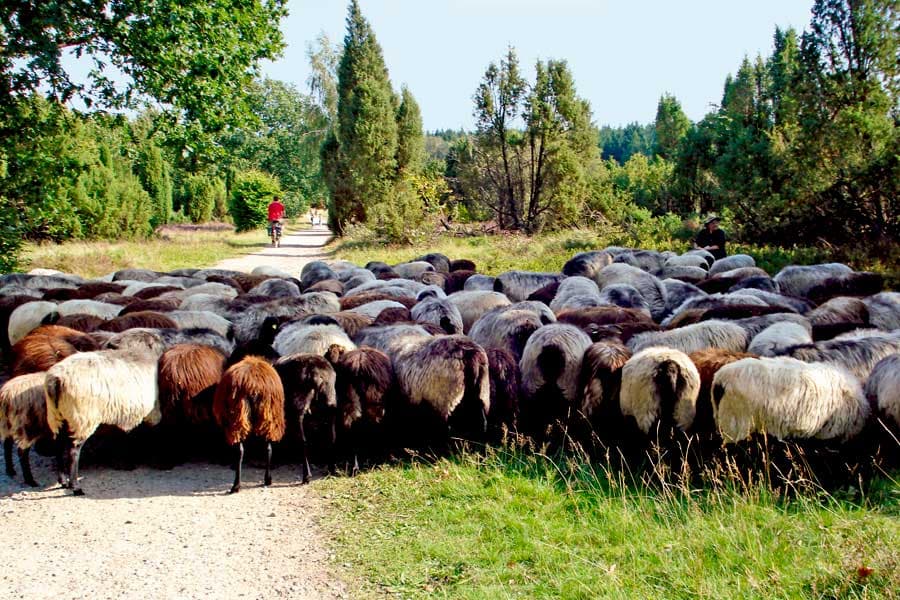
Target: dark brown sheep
138	319
849	284
349	302
84	323
225	280
47	345
455	281
619	331
153	305
545	294
327	285
600	379
155	291
248	281
686	317
188	376
23	420
309	389
250	400
390	316
386	275
602	315
85	291
732	312
462	264
505	391
116	298
351	322
364	385
708	363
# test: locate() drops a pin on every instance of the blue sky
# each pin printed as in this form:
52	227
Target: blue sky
623	55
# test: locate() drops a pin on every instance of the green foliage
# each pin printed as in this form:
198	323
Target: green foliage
621	143
194	57
155	175
201	196
250	197
410	139
671	126
360	155
10	237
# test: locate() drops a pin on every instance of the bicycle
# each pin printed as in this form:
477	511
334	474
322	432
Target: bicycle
275	228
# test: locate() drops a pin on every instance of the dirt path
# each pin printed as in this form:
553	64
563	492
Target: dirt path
148	533
297	248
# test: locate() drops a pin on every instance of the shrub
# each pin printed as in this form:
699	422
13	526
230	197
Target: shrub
198	198
250	197
10	237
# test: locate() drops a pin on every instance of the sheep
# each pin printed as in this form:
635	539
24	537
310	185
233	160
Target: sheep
351	322
649	287
883	389
346	275
440	262
479	283
350	302
678	292
431	291
47	345
711	301
603	315
441	312
378	267
505	383
18	290
7	305
83	323
395	287
155	290
277	288
587	264
328	285
539	308
216	289
455	281
473	304
206	302
518	285
840	310
776	338
364	386
432	279
201	319
660	386
599	381
23	420
390	316
138	319
410	270
545	294
797	280
787	398
857	355
184	272
685	273
505	328
309	389
462	264
735	261
270	271
145	275
549	366
884	310
846	284
156	305
691	338
207	273
764	283
296	338
754	325
180	281
389	338
314	272
572	291
708	363
373	309
249	400
187	377
645	260
791	304
28	316
687	260
245	281
446	376
85	291
113	387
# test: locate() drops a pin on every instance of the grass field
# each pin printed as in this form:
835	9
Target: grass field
514	525
176	246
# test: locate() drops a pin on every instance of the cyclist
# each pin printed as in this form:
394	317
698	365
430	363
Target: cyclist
276	214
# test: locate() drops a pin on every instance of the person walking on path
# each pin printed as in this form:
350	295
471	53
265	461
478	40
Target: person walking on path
711	238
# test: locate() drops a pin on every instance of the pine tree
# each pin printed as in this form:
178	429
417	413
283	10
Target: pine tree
671	125
410	138
360	156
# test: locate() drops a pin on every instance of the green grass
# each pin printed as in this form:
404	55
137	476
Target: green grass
174	247
518	525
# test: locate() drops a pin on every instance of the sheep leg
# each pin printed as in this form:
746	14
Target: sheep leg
268	478
306	469
74	454
25	461
61	463
7	457
238	462
332	466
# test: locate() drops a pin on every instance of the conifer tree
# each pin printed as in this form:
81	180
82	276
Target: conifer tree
410	138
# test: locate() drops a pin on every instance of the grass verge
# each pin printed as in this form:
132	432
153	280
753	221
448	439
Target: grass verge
514	525
173	247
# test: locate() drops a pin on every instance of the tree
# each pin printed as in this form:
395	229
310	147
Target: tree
250	197
193	57
410	138
360	153
671	126
323	59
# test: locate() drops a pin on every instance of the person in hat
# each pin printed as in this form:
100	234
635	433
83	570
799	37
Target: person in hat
711	238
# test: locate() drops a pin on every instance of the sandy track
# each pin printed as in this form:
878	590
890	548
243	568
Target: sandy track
297	248
157	534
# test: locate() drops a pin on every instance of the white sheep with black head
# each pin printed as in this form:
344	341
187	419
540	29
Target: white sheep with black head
659	389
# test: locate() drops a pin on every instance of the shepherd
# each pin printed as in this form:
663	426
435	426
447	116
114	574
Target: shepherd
711	238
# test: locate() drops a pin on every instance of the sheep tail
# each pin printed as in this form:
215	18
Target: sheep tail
666	382
478	381
551	362
52	392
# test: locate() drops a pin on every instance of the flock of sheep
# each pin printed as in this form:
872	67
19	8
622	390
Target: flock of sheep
624	345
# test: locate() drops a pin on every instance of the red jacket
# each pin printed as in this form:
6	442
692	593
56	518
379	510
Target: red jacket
276	211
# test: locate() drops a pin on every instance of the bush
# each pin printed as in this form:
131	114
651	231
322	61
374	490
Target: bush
410	215
10	238
250	197
198	198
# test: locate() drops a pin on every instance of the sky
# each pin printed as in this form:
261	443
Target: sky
623	54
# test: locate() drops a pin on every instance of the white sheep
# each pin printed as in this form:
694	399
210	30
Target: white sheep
28	316
296	338
776	338
660	385
697	336
883	389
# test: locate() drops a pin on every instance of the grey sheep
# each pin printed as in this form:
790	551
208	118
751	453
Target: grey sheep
735	261
441	312
473	304
697	336
518	285
650	287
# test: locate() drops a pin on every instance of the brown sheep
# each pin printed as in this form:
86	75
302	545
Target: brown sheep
433	278
364	385
188	376
462	264
83	323
390	316
327	285
154	291
708	363
602	315
153	305
229	281
505	391
309	389
248	281
545	294
145	318
250	400
85	291
686	317
23	420
455	281
116	298
47	345
600	380
351	322
350	302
